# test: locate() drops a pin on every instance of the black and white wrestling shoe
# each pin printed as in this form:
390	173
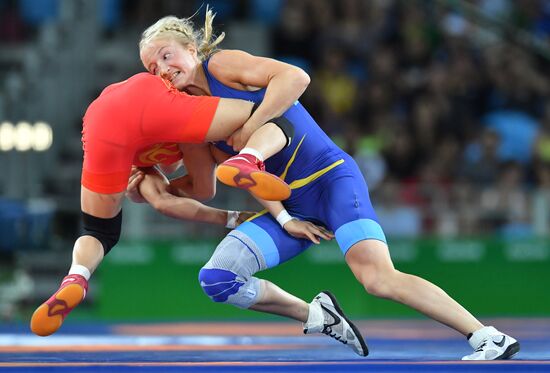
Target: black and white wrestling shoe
490	344
326	316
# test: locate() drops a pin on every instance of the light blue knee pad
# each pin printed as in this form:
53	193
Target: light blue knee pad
228	276
219	284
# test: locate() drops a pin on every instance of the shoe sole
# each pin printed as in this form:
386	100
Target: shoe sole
352	325
510	351
44	322
262	184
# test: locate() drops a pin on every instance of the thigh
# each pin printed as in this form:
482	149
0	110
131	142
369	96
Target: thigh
347	208
274	243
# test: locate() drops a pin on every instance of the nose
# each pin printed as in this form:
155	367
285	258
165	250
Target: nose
164	70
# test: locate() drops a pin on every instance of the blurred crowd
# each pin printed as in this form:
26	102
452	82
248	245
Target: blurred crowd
456	115
444	104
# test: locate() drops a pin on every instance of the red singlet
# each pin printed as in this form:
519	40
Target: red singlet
131	117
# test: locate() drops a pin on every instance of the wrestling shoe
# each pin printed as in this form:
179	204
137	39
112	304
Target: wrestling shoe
490	344
50	315
245	171
326	316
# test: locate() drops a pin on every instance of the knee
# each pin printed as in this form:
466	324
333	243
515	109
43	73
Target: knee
379	283
219	284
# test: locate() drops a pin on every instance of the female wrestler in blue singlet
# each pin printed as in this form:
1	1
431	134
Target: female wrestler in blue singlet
327	188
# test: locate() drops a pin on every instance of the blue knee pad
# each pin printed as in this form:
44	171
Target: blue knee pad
219	284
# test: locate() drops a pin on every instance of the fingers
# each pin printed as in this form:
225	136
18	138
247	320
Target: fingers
325	233
320	231
134	180
313	238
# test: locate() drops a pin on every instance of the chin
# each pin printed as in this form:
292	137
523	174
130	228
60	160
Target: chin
179	87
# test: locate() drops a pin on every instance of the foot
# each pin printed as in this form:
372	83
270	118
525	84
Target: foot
50	315
327	317
245	171
490	344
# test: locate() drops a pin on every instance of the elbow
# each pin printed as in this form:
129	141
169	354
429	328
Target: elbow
301	78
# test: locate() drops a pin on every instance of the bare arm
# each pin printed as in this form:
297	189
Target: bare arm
297	228
284	84
200	182
155	190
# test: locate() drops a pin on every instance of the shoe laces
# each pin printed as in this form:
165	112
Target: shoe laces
481	346
328	331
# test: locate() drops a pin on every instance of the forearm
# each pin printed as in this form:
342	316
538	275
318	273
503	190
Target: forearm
273	207
188	209
281	93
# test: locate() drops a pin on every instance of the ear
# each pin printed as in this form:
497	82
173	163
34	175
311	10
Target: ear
191	48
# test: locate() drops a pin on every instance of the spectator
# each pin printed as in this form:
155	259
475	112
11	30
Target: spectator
505	206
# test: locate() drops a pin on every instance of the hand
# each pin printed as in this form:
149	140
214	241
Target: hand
239	138
244	216
132	190
305	229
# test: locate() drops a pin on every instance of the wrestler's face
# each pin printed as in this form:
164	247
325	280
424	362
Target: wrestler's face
171	60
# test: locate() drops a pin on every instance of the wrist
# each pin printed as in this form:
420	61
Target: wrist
232	219
283	217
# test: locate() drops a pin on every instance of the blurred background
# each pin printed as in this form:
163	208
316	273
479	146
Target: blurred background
444	104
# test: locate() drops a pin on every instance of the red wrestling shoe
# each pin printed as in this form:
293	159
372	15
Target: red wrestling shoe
50	315
245	171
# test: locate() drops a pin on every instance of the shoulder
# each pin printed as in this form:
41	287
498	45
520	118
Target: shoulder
227	60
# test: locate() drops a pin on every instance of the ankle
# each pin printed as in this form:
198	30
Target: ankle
77	269
252	152
479	335
315	320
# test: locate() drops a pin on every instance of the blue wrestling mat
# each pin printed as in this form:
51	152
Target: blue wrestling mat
395	346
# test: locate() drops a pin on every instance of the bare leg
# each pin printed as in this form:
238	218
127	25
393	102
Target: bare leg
247	173
277	301
88	252
268	140
372	266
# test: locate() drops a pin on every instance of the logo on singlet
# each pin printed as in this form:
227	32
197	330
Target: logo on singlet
158	153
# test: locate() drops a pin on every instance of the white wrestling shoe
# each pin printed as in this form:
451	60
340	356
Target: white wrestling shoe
490	344
326	316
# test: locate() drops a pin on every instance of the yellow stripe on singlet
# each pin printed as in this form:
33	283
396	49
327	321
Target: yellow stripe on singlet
300	182
306	180
263	212
291	160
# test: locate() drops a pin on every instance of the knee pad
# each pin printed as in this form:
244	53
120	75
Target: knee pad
106	231
224	286
286	126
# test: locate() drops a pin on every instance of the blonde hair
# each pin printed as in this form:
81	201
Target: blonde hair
183	31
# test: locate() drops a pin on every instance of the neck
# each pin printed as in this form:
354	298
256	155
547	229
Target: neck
198	85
